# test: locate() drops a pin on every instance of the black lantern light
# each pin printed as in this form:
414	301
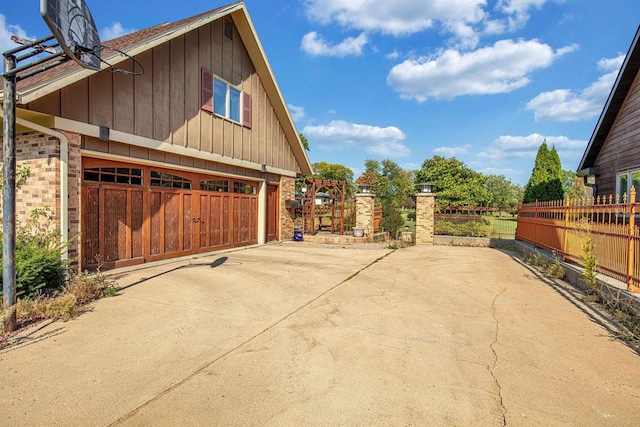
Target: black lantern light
364	188
426	188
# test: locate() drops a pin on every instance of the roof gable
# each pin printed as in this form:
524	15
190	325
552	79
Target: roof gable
619	92
64	75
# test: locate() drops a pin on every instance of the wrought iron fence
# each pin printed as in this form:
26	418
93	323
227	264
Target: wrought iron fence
475	221
609	222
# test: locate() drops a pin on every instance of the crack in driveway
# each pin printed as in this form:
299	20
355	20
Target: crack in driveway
490	368
190	376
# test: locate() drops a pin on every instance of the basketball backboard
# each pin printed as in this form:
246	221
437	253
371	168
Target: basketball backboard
73	27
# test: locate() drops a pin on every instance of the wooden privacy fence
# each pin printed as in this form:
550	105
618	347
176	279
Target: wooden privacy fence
610	222
377	218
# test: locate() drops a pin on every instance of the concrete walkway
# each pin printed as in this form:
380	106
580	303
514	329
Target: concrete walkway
298	334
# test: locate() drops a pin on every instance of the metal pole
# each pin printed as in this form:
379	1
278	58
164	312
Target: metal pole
9	195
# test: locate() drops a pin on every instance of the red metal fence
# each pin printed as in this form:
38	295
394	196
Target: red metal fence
610	222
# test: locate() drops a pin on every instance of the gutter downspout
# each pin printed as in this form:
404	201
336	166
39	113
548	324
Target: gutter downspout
64	180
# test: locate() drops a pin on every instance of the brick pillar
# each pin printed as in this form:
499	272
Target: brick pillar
287	191
75	179
425	225
364	213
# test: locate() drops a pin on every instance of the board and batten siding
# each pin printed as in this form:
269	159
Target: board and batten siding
621	150
164	103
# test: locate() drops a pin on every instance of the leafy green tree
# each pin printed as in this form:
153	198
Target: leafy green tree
573	185
502	192
334	171
546	178
392	184
456	183
326	170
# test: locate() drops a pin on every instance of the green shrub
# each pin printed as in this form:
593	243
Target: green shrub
392	220
39	264
469	228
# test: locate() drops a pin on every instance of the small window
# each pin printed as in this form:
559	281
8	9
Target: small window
243	188
227	100
129	176
625	181
234	104
220	97
215	185
167	180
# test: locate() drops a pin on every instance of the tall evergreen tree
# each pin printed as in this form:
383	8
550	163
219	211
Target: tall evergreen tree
546	178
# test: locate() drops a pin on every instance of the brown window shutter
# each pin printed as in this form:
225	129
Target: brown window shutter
246	110
207	91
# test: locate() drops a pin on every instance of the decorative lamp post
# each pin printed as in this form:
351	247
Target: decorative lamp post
426	188
364	188
425	214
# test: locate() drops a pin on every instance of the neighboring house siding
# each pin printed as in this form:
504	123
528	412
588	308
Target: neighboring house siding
621	150
164	103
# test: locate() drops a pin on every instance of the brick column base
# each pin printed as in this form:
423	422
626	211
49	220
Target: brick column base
425	214
364	213
287	191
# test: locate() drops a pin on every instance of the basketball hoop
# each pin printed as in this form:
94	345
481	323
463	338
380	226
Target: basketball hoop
116	69
72	25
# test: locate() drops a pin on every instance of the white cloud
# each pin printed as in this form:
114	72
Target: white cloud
453	151
466	36
611	64
564	105
393	55
374	140
114	31
399	17
297	113
315	45
500	68
507	148
6	31
465	20
518	10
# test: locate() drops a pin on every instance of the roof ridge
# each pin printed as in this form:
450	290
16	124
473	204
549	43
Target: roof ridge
124	43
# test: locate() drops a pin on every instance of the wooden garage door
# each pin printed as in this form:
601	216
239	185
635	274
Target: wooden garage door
112	217
134	214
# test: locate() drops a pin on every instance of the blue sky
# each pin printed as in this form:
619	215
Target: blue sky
485	81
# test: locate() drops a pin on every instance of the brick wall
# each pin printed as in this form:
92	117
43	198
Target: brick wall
40	153
425	224
287	192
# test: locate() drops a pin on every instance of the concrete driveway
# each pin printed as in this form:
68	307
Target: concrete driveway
297	334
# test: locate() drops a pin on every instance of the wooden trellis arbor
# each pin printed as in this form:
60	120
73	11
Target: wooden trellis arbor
315	217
